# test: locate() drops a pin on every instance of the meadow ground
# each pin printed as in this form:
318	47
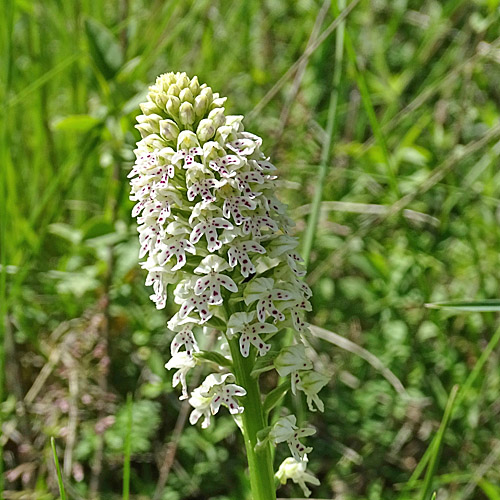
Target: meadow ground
384	125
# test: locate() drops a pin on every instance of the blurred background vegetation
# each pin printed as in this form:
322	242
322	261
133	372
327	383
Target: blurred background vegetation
408	168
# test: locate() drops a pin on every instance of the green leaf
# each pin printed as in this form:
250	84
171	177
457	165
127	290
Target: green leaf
213	357
491	490
273	398
96	227
490	305
77	123
104	48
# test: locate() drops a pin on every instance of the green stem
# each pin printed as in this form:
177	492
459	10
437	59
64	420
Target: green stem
259	462
312	223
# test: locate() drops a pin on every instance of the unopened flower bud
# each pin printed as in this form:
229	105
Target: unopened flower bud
207	92
154	141
152	119
159	98
217	116
174	90
186	95
183	81
194	86
223	133
173	105
164	81
186	113
146	129
169	130
149	108
200	105
235	122
219	102
205	130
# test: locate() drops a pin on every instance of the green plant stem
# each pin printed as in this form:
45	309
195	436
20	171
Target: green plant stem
259	462
436	450
60	482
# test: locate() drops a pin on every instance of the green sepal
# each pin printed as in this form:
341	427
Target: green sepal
264	363
262	438
216	323
273	398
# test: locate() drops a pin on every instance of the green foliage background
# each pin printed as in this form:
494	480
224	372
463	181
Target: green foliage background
410	215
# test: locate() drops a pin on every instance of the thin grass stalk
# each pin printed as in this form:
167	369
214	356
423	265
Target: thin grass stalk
492	344
308	52
62	491
436	449
313	219
312	222
290	98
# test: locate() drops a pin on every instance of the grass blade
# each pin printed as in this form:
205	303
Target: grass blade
489	305
312	222
437	445
492	491
461	396
62	492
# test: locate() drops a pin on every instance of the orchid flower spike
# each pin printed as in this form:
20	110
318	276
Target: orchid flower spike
211	227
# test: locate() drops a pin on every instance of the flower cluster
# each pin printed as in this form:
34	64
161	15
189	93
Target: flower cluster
210	224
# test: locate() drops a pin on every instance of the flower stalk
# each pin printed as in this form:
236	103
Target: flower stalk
211	227
253	422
